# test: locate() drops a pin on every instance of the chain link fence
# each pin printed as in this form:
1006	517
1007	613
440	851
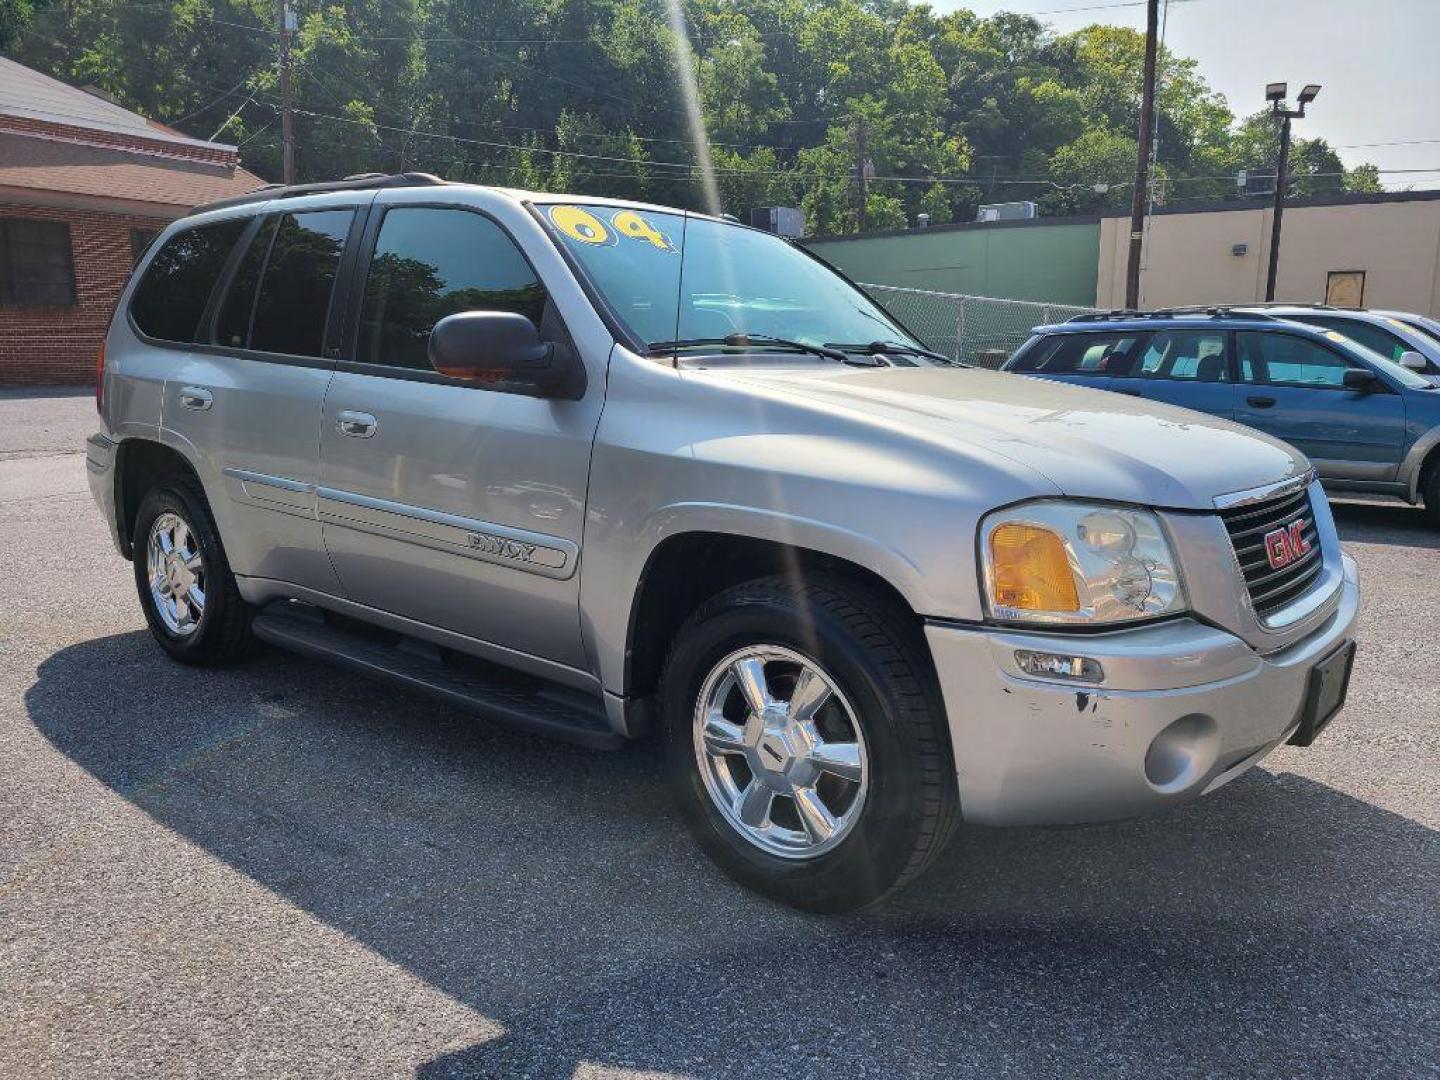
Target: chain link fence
980	330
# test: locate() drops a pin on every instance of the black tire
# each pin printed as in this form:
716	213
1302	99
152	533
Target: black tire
222	633
875	655
1430	491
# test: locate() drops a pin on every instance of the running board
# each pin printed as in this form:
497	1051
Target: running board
516	700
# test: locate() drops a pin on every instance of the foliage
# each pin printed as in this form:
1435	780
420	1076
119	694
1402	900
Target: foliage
583	96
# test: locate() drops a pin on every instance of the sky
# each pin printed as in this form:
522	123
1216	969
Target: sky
1378	62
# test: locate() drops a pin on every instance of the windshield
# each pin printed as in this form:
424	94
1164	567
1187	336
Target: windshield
674	277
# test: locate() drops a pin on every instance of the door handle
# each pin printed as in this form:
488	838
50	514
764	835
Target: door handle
1259	401
358	425
196	397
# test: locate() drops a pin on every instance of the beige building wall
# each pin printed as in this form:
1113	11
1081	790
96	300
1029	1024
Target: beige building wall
1189	257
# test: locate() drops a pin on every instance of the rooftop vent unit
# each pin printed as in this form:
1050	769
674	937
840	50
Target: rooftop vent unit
1006	211
780	220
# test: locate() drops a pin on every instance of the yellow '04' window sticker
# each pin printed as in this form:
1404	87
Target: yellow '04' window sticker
587	227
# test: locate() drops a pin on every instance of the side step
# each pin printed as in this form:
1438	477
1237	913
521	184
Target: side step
513	699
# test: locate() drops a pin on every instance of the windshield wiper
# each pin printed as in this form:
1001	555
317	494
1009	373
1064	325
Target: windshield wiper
880	348
740	341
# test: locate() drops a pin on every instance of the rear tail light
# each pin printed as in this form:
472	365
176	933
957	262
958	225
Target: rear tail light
100	378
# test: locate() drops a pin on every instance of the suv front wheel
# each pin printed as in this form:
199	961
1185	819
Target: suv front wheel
805	743
186	588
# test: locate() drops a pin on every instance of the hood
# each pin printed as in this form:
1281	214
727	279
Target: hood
1088	443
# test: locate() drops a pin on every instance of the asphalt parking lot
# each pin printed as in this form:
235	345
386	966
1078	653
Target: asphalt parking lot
277	869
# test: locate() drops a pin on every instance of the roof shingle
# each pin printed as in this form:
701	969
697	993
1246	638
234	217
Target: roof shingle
47	165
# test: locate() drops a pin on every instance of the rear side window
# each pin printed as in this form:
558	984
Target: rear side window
431	262
294	300
177	284
1189	355
1080	354
233	325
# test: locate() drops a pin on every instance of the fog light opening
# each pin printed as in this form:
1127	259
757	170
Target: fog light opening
1182	754
1059	666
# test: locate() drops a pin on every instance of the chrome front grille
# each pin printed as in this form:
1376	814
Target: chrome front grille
1250	524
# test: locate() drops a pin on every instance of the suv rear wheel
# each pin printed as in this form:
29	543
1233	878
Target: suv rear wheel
186	589
805	743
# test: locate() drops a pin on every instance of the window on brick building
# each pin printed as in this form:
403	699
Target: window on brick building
37	266
139	241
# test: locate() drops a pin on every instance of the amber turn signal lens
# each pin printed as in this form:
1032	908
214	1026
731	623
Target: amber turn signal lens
1031	571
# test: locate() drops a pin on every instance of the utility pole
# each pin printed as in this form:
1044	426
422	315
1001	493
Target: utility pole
1138	194
1275	94
287	119
862	167
1282	181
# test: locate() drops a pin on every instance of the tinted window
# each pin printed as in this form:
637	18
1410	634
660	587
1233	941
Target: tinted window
140	241
295	291
1197	356
233	326
172	295
1284	359
1080	354
432	262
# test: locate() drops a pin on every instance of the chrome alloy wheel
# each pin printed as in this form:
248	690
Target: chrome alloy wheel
176	573
781	751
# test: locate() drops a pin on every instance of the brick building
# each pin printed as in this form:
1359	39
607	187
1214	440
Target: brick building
84	186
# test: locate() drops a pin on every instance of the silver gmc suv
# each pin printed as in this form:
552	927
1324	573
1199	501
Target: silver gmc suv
597	469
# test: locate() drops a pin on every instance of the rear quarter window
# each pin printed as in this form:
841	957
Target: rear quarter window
178	281
1079	354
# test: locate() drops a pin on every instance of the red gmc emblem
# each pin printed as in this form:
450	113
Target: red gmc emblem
1286	544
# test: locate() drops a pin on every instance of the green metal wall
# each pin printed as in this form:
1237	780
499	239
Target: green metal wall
1058	262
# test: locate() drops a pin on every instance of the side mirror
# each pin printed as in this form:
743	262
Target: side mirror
503	351
1362	379
1413	360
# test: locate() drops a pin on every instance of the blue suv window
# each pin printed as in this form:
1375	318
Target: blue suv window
1290	361
1194	355
1080	354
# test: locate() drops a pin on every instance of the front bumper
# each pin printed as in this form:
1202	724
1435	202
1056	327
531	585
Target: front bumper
1037	751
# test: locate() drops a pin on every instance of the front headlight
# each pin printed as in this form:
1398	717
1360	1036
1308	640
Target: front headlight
1073	563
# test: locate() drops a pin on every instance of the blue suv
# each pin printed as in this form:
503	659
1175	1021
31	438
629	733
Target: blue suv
1366	423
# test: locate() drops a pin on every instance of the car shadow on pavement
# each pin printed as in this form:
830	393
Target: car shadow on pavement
1385	523
553	890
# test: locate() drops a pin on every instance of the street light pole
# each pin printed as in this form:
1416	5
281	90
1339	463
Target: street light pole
1275	94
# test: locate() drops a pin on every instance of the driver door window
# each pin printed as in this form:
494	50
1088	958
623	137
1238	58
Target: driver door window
431	262
1284	360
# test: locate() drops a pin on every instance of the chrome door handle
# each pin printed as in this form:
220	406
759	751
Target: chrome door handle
195	397
358	425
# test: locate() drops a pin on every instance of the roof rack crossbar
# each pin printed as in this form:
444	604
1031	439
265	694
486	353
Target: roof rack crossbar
358	182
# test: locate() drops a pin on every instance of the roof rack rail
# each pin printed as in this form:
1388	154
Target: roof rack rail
1295	303
357	182
1214	310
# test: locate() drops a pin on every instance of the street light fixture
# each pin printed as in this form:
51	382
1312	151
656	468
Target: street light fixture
1275	93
